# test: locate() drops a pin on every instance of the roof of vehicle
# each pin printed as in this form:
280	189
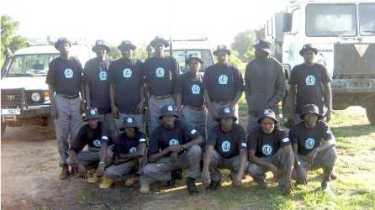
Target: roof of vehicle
183	45
47	49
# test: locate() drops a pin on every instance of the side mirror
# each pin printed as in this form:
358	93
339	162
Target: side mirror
287	22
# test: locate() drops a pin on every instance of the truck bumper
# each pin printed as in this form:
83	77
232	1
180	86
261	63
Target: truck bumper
35	115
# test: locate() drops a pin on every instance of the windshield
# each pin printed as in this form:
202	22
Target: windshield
181	55
30	65
331	20
367	19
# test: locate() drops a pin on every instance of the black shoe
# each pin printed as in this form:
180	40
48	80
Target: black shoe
177	174
191	187
171	183
214	185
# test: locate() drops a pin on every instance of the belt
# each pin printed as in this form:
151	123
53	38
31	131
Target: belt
162	97
69	97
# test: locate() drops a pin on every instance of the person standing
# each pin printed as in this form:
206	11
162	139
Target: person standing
64	79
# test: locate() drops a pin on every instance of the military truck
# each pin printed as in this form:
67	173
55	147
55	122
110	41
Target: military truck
24	92
344	33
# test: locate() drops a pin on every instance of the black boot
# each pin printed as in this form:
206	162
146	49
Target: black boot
191	187
214	185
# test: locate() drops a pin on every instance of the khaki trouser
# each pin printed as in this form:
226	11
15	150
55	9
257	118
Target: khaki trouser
283	160
67	124
161	170
218	162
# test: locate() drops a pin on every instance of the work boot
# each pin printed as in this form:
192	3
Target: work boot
91	177
214	185
145	187
64	174
191	187
106	183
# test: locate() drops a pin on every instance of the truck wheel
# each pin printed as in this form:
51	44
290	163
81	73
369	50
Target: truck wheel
370	110
3	127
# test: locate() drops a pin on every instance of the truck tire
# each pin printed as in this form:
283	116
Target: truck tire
370	110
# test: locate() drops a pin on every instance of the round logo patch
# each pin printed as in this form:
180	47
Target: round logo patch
195	89
97	143
103	75
132	150
225	146
223	79
68	73
310	80
267	149
173	142
309	143
127	73
160	72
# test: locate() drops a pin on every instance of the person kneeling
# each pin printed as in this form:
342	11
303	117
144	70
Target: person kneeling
92	134
128	154
270	150
173	145
313	145
226	148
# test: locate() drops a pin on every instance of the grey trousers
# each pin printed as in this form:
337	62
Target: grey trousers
196	119
138	117
211	121
218	162
154	106
283	160
161	170
121	171
67	124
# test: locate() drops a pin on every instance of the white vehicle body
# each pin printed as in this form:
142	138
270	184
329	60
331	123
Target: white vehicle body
344	33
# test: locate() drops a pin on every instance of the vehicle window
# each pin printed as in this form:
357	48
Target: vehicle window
30	65
331	20
181	55
367	19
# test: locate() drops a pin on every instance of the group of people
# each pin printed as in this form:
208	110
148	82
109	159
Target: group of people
145	120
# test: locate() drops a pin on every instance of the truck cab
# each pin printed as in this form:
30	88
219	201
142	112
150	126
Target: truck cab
344	33
24	92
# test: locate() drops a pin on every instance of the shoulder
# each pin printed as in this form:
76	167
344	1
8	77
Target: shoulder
281	133
76	60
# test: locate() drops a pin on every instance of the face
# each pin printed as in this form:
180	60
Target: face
168	121
127	53
227	123
310	120
267	125
222	57
159	49
101	52
93	123
130	131
64	48
309	56
195	65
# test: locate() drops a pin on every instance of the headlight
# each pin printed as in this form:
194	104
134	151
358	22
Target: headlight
35	97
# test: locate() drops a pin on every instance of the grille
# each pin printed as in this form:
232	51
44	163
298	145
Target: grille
12	98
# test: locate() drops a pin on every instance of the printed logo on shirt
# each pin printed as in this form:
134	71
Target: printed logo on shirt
223	79
193	131
195	89
173	142
127	73
103	75
68	73
132	150
225	146
310	80
97	143
267	149
309	143
160	72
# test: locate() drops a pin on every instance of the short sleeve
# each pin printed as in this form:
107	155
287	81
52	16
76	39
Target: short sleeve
142	138
190	131
50	79
293	77
206	79
212	137
292	136
80	140
154	142
284	138
239	80
242	138
325	77
179	84
327	133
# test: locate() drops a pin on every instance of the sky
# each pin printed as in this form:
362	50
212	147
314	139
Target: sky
139	20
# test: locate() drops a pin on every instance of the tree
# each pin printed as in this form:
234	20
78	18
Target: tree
243	45
9	39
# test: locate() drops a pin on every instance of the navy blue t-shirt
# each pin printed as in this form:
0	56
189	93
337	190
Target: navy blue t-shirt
227	144
96	76
126	145
191	89
127	78
307	139
91	137
222	82
162	137
266	145
65	75
161	75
